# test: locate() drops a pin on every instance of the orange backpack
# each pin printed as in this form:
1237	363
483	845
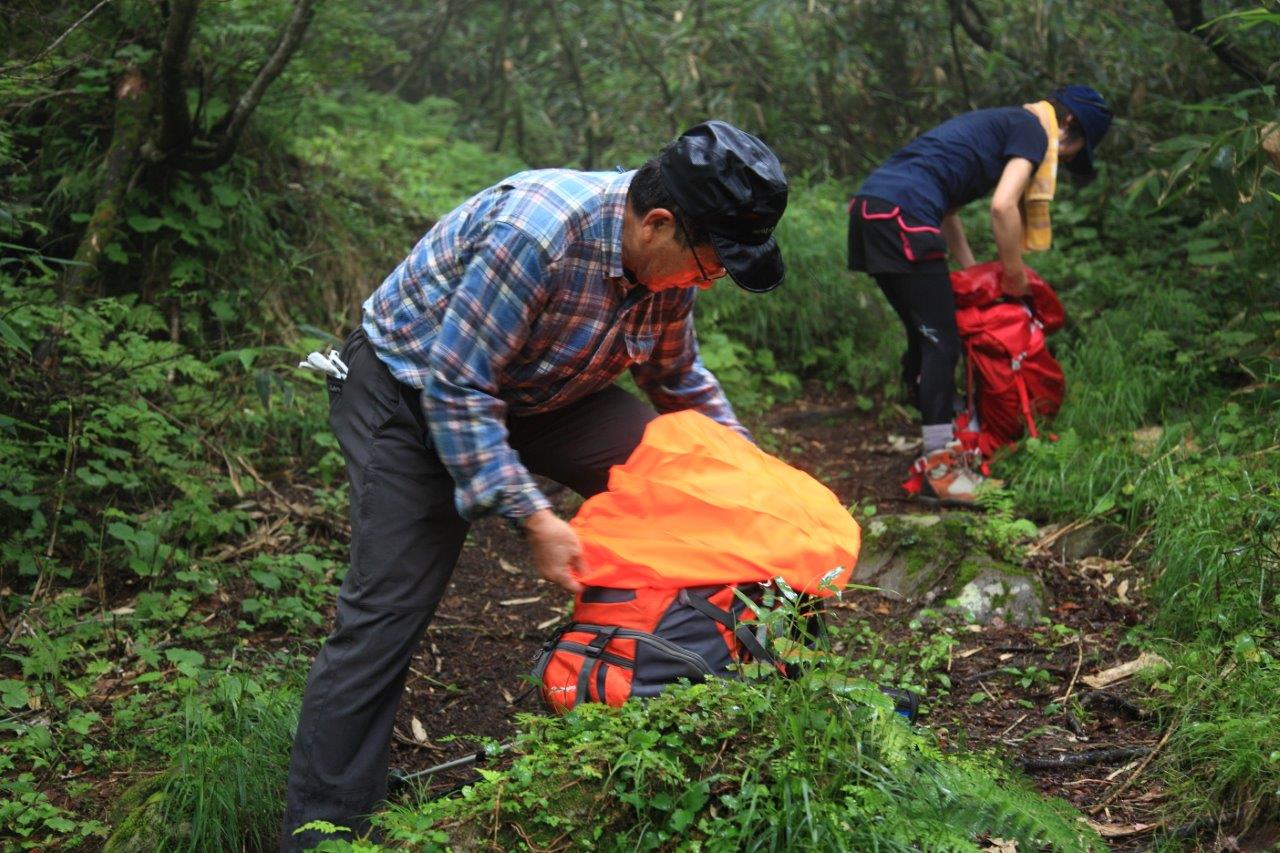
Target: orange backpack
697	530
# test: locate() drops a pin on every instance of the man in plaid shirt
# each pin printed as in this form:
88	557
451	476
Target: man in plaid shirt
489	353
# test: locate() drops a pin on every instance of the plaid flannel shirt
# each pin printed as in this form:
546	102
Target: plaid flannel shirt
516	303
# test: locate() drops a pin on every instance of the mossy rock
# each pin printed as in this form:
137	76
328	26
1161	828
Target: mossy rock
1096	539
985	588
578	805
910	557
922	558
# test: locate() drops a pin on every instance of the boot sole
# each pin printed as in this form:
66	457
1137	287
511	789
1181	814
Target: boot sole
951	503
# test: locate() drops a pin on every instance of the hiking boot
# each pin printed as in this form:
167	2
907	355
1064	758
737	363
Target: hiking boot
948	476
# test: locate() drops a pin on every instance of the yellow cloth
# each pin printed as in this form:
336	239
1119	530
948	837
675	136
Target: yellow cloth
1037	230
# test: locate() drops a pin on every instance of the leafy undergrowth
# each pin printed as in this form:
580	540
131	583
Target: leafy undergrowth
816	763
228	750
1170	429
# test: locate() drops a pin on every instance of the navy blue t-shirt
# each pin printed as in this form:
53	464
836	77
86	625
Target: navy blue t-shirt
956	162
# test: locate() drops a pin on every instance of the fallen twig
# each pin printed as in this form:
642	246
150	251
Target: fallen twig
1200	824
1043	544
983	673
1012	725
1134	547
403	738
1075	675
1118	789
1081	759
1005	670
1114	830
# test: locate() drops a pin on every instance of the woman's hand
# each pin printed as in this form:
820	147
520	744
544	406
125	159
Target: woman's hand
1014	281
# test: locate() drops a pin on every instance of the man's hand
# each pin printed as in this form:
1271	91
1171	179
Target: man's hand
1013	281
557	553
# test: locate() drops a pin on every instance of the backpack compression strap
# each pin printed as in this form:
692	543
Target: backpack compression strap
1023	400
741	631
593	652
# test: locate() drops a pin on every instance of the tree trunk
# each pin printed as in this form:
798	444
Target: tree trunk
129	131
290	39
175	119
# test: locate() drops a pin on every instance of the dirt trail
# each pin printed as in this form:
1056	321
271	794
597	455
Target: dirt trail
468	676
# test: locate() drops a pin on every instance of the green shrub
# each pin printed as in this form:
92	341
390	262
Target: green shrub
822	763
224	786
1224	755
411	153
1169	427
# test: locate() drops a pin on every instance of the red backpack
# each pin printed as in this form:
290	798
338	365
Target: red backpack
1017	379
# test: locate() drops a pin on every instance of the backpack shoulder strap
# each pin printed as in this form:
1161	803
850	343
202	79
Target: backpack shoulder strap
741	632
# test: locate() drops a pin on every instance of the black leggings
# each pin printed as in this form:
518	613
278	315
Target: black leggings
927	308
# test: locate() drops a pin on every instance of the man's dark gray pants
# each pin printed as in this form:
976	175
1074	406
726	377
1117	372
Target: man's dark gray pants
405	540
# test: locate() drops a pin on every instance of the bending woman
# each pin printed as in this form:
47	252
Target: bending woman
903	223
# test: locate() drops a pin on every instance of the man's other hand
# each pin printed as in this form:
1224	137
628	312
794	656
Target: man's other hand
557	553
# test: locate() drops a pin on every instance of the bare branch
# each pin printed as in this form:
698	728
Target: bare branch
1189	17
175	119
419	55
290	39
969	16
955	54
60	39
1080	759
975	30
575	75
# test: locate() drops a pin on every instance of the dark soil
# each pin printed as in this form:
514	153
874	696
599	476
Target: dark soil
468	678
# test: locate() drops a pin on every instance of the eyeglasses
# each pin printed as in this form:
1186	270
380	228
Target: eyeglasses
702	271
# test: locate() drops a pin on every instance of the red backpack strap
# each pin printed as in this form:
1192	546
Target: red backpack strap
1023	400
968	369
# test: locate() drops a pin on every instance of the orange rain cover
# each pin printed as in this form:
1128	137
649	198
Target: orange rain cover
697	504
